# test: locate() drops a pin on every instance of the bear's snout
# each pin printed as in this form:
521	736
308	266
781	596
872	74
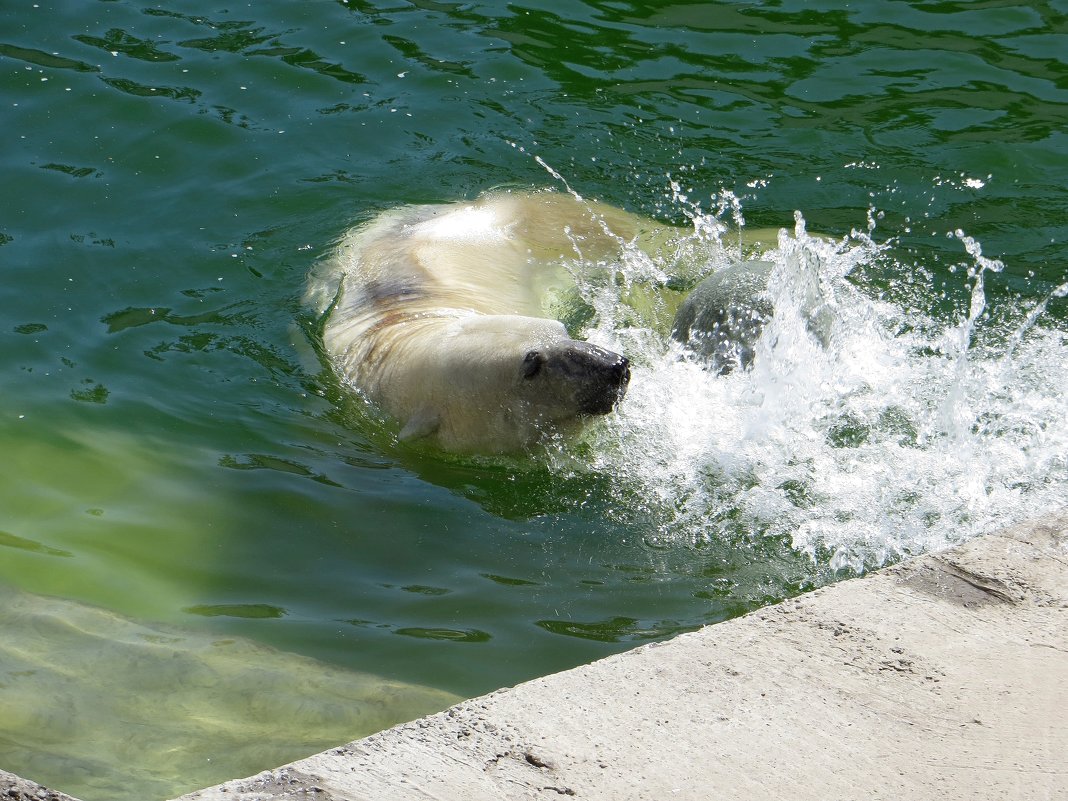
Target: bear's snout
597	377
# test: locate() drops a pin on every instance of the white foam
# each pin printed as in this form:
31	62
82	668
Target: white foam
902	433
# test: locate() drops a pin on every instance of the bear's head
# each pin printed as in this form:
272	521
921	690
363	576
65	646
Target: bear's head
499	383
575	376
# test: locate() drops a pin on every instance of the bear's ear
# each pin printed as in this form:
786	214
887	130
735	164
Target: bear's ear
532	363
421	424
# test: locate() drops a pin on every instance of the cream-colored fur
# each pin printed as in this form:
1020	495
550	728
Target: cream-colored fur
439	315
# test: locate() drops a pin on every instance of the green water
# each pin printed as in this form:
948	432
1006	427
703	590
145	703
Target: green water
176	452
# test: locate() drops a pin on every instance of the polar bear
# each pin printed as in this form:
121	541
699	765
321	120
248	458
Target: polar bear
439	315
723	316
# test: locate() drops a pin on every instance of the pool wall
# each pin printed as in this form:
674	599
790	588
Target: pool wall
940	678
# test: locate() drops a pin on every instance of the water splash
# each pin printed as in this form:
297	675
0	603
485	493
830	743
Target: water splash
882	431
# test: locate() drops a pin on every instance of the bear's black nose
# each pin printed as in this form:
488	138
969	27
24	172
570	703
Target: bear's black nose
595	378
604	377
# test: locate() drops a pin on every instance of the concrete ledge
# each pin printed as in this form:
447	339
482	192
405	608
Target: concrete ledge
15	788
942	678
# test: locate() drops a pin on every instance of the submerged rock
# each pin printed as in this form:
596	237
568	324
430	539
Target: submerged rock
105	707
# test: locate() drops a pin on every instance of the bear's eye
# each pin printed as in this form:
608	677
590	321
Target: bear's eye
532	363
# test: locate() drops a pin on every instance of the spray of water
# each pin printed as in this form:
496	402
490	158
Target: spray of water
879	432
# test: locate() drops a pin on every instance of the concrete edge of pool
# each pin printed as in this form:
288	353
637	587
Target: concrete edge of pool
945	677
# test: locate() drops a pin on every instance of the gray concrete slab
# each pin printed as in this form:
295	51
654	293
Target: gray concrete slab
15	788
942	678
